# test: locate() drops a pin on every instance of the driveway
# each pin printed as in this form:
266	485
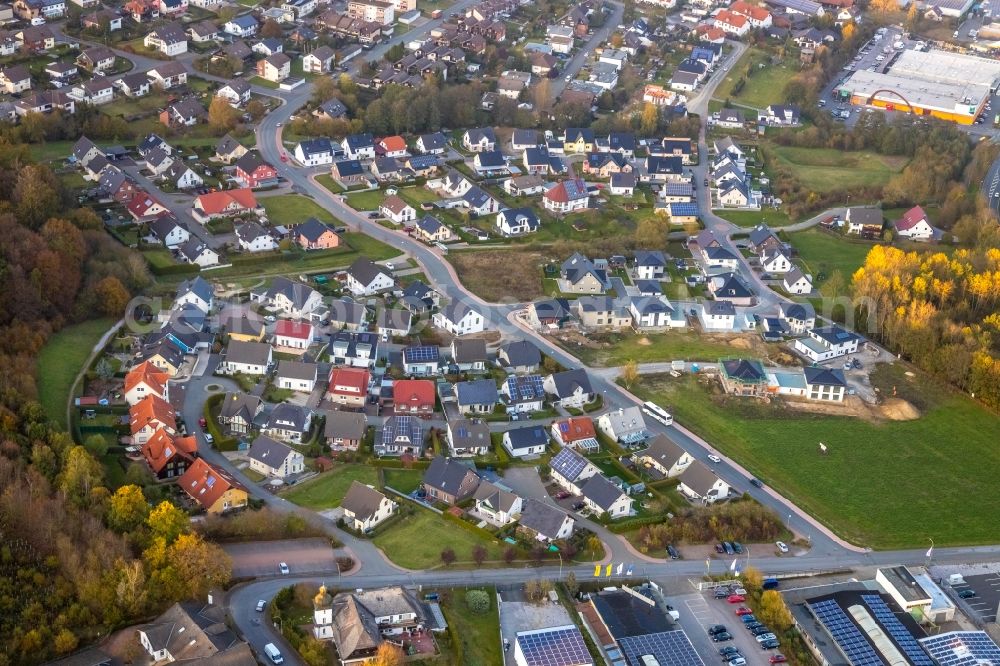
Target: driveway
525	482
261	558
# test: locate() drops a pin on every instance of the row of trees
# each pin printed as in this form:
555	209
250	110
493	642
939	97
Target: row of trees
734	521
941	312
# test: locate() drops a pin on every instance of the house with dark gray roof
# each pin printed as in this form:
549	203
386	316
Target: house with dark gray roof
296	375
365	508
665	457
459	318
344	431
357	350
468	437
526	441
293	298
519	357
571	388
744	377
570	470
238	411
193	632
478	396
496	505
366	278
288	422
450	481
401	435
601	496
469	355
702	485
826	384
419	297
248	358
543	522
348	315
270	457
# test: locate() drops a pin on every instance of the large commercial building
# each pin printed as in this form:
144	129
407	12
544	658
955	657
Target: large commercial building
944	85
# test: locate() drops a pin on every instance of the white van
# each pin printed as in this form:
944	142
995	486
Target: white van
38	20
273	654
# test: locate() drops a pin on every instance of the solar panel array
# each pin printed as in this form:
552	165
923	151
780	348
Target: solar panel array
962	648
569	463
667	647
904	639
563	646
421	354
525	388
849	638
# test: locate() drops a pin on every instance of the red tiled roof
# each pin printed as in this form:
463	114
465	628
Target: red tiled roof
577	428
393	143
751	11
141	203
911	218
151	409
293	329
413	392
162	448
216	202
205	484
349	381
729	18
146	372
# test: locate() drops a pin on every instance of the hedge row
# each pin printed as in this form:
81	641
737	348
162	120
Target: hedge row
636	523
221	443
398	464
176	269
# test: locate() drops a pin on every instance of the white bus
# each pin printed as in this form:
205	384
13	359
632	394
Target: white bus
658	413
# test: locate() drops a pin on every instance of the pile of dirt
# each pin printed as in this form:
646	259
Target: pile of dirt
741	343
644	341
897	409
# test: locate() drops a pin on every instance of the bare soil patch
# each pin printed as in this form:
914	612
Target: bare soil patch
500	275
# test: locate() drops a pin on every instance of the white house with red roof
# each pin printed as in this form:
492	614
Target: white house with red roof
144	207
734	24
392	146
757	16
290	334
567	196
915	225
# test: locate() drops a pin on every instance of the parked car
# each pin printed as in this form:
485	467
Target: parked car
729	649
202	423
721	593
260	606
744	611
728	548
777	659
739	661
720	549
762	638
736	598
761	631
672	552
714	458
578	505
562	494
738	547
771	644
966	594
722	637
209	439
716	629
283	569
782	547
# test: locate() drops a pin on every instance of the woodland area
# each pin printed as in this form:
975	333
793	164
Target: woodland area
76	561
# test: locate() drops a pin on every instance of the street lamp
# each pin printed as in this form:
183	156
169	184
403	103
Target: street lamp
559	553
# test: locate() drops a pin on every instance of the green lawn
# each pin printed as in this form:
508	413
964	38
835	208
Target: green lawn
59	362
751	218
263	83
403	480
478	633
51	150
764	86
327	181
823	253
297	262
417	195
887	485
327	490
290	209
615	349
367	200
826	169
159	258
417	541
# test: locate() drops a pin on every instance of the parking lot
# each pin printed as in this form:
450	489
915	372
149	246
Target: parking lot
261	558
699	611
987	589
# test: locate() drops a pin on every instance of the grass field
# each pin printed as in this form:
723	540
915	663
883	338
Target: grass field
885	485
616	349
826	169
327	490
478	633
764	86
316	261
751	218
417	541
823	253
367	200
497	275
327	181
59	362
403	480
289	209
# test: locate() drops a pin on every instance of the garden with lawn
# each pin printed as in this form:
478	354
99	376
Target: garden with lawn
292	209
772	217
59	362
882	483
476	629
417	541
823	252
403	480
366	200
297	262
828	169
327	490
616	349
764	81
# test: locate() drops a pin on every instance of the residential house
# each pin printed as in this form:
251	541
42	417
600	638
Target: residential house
489	163
827	342
478	396
372	11
419	298
731	287
291	297
459	318
497	506
319	61
397	210
388	169
358	622
229	149
314	152
743	377
864	221
241	26
524	186
169	457
366	278
432	144
236	92
96	59
567	196
242	327
603	312
826	384
359	146
348	387
603	497
623	184
59	72
414	397
578	140
393	322
797	282
357	350
576	432
525	441
315	235
523	394
468	438
145	379
432	230
196	291
665	457
775	262
469	355
168	75
187	112
296	376
571	470
268	46
365	508
144	208
570	388
480	139
700	484
449	481
248	358
579	275
276	67
914	225
718	315
780	115
252	237
401	435
624	425
150	414
169	39
422	360
391	146
543	522
215	491
517	221
799	317
270	457
519	357
182	177
203	31
169	231
348	315
344	431
288	422
253	172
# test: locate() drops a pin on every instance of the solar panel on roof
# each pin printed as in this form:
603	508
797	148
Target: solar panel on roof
962	648
425	353
667	647
569	464
847	635
556	647
904	639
